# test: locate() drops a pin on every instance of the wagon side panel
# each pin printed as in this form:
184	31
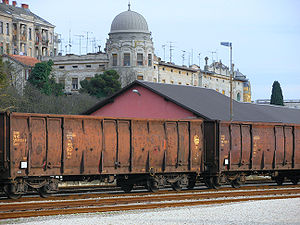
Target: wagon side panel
140	147
172	145
297	147
196	143
73	146
124	146
288	147
19	138
92	146
157	146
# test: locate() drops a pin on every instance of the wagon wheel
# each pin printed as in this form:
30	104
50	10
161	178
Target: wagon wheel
9	193
216	182
127	187
295	180
236	183
176	186
152	185
212	182
192	183
44	192
279	180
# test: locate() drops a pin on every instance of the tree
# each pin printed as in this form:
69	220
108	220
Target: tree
3	75
102	85
7	100
41	78
276	97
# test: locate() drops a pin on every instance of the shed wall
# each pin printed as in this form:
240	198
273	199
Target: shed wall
145	105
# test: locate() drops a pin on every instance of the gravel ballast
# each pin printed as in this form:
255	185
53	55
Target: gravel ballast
286	211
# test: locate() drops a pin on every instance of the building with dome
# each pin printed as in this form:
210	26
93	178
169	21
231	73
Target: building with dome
129	50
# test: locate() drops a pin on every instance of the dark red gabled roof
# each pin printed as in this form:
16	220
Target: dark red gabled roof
24	60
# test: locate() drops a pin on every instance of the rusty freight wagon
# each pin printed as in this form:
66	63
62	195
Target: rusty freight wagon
237	149
36	151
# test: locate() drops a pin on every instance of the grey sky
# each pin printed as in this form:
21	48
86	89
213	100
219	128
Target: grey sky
265	33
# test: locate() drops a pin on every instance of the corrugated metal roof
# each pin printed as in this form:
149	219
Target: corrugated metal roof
212	105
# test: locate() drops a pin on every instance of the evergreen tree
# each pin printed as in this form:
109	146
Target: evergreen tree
276	97
102	85
41	78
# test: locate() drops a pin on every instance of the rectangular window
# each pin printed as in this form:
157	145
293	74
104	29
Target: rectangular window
172	82
1	27
163	81
88	66
29	34
61	67
149	59
75	83
7	28
140	59
75	67
155	80
140	77
115	59
126	59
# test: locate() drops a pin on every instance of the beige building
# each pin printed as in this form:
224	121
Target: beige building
24	33
21	68
70	69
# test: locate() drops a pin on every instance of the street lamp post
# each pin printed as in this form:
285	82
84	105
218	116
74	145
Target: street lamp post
229	44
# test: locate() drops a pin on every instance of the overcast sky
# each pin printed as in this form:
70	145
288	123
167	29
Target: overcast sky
265	33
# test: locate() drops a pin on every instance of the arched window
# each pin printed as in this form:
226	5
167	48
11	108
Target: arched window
238	97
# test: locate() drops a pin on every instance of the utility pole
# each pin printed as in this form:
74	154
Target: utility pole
61	46
80	36
183	56
164	48
199	54
171	50
70	45
229	44
212	56
87	40
192	56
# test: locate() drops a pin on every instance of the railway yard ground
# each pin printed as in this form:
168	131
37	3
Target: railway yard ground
250	204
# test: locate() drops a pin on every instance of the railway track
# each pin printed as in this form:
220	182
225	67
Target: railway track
32	207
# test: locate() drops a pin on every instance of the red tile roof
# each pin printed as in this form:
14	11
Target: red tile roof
26	60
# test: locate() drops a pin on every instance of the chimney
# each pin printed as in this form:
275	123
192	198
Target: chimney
14	3
24	6
5	2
